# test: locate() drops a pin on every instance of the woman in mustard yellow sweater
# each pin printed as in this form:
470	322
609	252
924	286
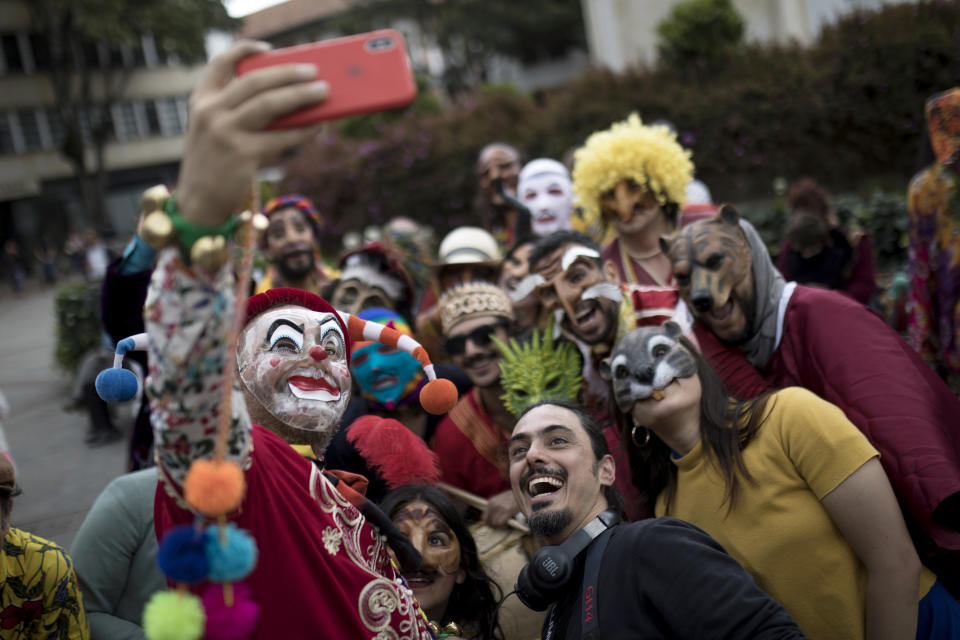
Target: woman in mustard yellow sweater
785	483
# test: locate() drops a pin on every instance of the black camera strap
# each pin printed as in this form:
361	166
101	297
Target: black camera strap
589	619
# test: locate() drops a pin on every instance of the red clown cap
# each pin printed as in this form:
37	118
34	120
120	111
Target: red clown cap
437	397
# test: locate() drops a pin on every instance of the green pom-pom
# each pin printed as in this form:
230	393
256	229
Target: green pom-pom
172	615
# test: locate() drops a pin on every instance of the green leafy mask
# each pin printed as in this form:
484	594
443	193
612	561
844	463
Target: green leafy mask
538	369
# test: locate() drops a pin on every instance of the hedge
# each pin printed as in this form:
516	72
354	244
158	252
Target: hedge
847	111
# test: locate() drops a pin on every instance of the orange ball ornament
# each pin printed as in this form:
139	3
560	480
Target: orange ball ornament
214	487
438	396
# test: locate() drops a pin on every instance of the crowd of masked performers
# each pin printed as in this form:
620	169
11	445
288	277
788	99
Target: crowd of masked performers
615	404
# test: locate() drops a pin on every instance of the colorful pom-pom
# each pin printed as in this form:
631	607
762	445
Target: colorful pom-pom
214	487
117	385
182	555
230	621
438	396
172	615
231	553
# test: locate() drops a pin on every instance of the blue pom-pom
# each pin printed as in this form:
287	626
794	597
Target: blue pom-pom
117	385
182	556
232	558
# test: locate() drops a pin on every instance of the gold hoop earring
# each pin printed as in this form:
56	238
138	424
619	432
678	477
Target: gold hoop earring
633	436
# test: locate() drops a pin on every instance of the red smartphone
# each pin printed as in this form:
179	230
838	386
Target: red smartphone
367	72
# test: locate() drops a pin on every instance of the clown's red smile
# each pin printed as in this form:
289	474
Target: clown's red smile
313	388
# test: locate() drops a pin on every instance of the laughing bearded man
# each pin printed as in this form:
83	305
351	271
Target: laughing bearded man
657	578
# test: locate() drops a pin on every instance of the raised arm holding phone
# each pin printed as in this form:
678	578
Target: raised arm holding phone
322	569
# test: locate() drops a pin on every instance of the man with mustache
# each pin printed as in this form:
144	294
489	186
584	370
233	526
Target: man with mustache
657	578
469	440
571	279
292	244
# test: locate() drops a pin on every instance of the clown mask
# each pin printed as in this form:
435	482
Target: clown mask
293	361
384	374
546	190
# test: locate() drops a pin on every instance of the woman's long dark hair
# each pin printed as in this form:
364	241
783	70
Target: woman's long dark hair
472	602
726	426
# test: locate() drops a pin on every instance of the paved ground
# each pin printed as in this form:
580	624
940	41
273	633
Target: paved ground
59	474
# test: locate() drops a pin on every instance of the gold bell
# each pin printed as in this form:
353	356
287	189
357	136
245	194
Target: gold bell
154	199
247	221
209	253
157	230
451	629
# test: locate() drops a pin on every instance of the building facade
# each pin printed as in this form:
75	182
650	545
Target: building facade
39	197
623	33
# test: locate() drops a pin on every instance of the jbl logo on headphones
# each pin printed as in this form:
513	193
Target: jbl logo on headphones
550	566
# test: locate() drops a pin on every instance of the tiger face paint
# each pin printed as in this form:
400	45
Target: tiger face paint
293	362
712	265
440	568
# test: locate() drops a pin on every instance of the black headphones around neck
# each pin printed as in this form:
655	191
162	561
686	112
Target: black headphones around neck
541	581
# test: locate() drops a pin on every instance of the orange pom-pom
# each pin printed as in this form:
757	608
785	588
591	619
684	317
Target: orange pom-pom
438	396
214	487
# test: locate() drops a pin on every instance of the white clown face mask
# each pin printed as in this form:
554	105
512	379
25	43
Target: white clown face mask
294	362
546	189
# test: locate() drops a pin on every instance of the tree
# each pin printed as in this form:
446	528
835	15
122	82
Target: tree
471	33
698	35
85	41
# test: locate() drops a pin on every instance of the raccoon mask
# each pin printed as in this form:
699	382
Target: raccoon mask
644	362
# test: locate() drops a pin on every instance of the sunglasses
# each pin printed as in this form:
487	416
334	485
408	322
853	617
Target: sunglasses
481	336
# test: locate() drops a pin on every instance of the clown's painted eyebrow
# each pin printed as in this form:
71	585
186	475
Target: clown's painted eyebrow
281	321
573	253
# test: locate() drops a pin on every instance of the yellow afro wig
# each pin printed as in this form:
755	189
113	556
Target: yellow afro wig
650	155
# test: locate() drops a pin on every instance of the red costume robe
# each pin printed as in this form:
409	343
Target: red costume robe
471	449
322	570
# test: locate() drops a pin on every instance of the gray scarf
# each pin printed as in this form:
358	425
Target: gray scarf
768	286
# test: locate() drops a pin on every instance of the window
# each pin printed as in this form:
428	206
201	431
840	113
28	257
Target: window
153	118
11	52
40	48
30	129
55	123
6	136
91	54
169	116
125	121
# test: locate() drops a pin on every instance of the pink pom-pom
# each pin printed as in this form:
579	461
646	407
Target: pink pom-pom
234	622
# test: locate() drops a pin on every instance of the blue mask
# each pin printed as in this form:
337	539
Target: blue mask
383	373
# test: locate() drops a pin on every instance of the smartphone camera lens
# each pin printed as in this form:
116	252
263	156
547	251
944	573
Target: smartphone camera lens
380	44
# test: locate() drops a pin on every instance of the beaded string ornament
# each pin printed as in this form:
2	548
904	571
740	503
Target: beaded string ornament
219	553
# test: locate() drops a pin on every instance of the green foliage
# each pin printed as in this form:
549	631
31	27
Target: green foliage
845	110
883	217
699	34
78	323
881	214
